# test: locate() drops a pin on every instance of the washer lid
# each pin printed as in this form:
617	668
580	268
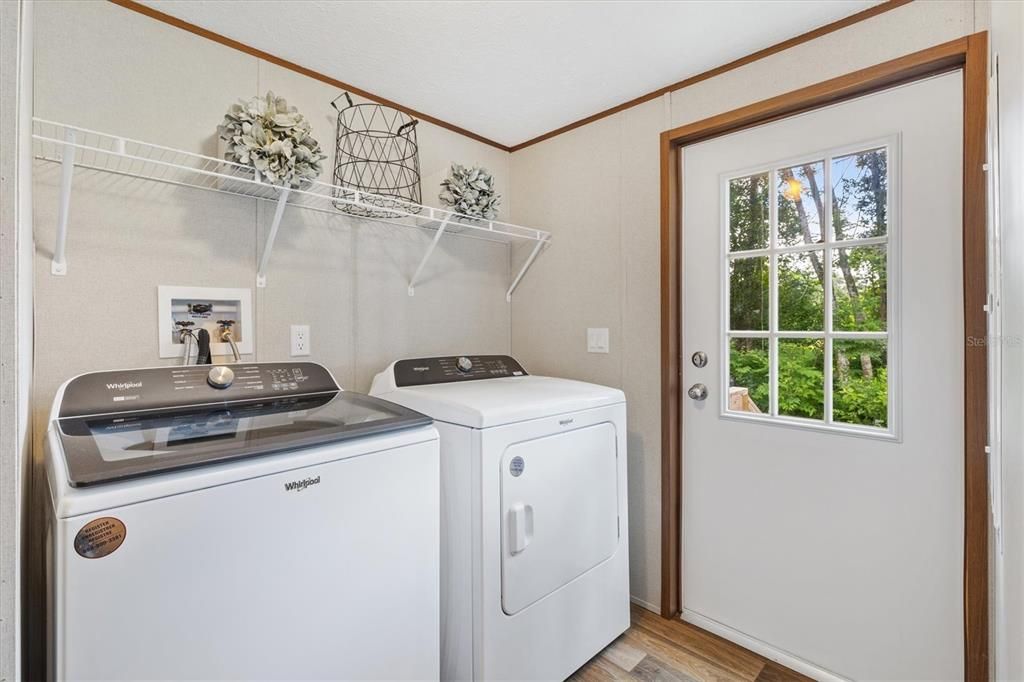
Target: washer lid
482	404
137	422
111	447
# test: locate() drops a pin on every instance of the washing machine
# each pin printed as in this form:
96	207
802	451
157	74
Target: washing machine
534	550
251	521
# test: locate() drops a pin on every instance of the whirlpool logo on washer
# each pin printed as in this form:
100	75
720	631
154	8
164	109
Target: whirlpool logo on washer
124	385
300	485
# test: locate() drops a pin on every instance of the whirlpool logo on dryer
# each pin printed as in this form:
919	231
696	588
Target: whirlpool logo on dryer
300	485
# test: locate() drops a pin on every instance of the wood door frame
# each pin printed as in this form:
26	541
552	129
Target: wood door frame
969	54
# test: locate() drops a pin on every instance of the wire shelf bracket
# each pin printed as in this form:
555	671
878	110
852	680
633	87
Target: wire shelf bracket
522	271
426	256
77	149
59	264
261	272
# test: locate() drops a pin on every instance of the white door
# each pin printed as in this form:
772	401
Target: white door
823	472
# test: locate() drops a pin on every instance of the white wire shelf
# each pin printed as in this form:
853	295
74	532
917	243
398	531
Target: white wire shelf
73	147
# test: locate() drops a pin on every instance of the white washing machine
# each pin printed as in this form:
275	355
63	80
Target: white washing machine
534	551
243	522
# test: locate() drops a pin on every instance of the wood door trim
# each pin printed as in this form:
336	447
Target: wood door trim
976	502
671	389
292	66
970	54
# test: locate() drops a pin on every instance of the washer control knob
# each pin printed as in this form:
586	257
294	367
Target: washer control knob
464	364
220	377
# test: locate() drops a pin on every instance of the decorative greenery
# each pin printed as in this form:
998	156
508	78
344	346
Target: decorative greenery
470	191
268	135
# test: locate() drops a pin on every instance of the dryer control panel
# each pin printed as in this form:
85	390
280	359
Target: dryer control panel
454	368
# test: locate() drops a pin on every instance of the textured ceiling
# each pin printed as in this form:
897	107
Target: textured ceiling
509	70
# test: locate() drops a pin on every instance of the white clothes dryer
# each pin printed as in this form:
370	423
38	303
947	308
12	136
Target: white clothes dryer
534	550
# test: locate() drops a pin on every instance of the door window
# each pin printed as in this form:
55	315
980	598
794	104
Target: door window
809	296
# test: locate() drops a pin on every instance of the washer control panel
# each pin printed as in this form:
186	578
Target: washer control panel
448	369
165	387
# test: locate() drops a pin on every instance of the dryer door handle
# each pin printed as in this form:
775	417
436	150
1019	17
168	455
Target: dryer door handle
520	526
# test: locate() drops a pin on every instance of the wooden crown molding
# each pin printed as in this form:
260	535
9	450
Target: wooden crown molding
297	68
679	85
719	70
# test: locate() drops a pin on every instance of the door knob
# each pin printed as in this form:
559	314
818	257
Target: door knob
698	392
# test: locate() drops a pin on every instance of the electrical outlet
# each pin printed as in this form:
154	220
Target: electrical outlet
300	340
597	339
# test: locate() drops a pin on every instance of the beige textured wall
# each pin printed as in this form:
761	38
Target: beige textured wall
15	322
102	67
597	190
1007	26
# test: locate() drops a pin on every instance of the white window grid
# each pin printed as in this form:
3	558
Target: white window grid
827	247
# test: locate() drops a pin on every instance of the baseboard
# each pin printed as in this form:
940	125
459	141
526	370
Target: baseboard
785	658
647	605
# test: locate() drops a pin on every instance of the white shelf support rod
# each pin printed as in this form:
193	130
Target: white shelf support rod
59	265
426	256
261	273
526	266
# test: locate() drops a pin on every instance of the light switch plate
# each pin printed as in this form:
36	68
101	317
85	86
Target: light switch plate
597	339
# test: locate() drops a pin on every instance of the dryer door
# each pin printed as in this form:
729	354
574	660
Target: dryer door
559	501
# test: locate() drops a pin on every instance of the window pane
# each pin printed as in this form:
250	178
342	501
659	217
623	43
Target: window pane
748	375
802	378
860	383
801	291
748	213
859	289
748	294
859	193
801	204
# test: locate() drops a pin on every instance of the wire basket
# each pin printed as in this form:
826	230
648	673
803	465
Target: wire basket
377	153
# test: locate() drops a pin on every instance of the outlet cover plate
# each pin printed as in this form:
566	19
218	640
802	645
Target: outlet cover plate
300	340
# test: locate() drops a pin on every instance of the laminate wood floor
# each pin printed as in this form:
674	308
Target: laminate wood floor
655	649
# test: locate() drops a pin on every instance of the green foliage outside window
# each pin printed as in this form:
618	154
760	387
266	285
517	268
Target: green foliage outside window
859	288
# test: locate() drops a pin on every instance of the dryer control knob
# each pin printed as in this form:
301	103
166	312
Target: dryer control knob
464	364
220	377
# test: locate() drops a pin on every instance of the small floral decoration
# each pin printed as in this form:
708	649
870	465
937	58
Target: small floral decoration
274	138
470	191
